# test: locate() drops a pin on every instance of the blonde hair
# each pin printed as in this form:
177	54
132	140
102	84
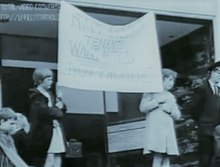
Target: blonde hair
7	113
40	74
22	122
166	72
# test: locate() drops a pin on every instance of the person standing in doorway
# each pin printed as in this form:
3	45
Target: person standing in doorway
161	110
47	140
206	112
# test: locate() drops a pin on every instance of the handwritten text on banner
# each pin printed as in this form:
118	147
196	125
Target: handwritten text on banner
97	56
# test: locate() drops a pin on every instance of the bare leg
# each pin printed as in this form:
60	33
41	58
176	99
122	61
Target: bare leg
49	160
57	160
157	160
166	161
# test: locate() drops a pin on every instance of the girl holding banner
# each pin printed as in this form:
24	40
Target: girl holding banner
47	141
161	110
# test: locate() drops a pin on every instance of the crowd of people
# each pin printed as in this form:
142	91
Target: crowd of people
41	143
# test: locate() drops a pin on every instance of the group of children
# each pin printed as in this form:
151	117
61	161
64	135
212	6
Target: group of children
12	127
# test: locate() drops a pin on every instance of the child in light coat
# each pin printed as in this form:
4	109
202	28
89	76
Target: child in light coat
161	110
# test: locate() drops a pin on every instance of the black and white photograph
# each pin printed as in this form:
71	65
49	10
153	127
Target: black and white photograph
109	83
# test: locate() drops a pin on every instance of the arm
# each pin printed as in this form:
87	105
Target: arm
60	104
197	102
4	159
148	103
171	107
40	108
174	110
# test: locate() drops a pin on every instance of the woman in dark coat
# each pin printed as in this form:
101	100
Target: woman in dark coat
47	143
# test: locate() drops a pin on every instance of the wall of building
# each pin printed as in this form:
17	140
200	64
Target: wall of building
194	9
198	8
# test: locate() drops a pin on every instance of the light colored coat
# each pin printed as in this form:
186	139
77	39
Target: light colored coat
9	157
161	110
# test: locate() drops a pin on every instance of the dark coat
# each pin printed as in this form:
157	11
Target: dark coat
206	109
21	143
41	121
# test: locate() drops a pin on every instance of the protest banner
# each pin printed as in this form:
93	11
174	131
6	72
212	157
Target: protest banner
93	55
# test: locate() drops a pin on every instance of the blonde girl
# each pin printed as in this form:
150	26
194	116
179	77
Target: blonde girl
161	111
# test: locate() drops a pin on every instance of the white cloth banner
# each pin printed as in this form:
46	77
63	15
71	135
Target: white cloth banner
97	56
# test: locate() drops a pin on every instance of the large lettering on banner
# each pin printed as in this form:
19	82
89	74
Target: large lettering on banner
96	56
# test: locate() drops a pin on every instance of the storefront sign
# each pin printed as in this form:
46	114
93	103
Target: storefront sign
97	56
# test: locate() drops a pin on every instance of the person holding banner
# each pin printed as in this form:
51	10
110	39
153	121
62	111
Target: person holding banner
161	110
47	140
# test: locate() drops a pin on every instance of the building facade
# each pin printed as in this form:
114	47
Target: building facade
188	34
